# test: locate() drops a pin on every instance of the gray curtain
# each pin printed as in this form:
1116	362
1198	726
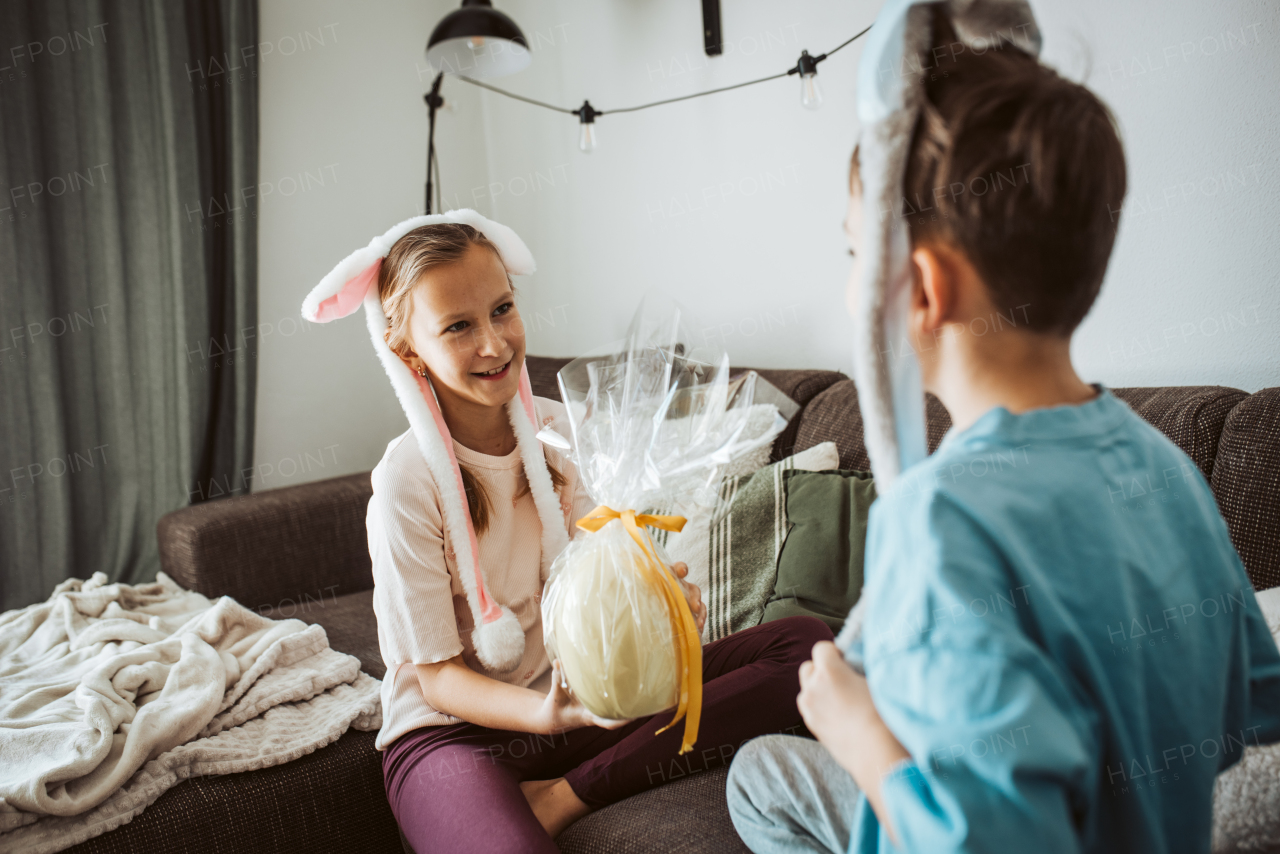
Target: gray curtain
128	158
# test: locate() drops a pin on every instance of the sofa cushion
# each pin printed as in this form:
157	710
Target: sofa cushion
348	621
330	800
833	415
689	814
1246	482
937	421
799	385
1192	416
542	374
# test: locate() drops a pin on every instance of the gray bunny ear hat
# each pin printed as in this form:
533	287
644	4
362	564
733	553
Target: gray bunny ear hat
898	57
895	62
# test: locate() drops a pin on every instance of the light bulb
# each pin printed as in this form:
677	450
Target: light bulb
587	126
810	91
587	137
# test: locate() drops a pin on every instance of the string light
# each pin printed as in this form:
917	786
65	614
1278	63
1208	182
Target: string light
806	67
810	92
587	120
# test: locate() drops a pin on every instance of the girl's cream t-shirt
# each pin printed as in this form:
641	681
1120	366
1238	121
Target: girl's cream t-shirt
418	599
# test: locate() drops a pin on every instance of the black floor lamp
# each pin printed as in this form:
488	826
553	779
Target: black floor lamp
475	41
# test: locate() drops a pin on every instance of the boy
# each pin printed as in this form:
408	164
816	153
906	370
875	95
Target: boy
1042	670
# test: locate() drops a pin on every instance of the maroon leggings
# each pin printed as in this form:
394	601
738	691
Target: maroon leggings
456	787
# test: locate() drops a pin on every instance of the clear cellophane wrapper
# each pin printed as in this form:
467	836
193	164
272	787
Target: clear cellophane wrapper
656	423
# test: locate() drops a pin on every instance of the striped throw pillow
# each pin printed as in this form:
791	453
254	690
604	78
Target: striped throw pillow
732	546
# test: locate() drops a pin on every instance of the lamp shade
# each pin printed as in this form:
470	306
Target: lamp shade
477	41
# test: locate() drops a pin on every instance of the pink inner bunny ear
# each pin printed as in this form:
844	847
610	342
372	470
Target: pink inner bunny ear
526	395
490	610
350	297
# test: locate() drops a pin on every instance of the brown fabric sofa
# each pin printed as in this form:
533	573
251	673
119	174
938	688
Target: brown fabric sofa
301	552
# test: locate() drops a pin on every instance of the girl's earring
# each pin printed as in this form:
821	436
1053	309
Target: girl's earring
422	372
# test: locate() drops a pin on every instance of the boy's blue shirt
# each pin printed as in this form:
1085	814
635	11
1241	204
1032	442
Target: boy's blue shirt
1060	632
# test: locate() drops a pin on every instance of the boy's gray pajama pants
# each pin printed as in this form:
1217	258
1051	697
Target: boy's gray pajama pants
787	794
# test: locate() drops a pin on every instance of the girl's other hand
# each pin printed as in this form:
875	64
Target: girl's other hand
692	594
562	711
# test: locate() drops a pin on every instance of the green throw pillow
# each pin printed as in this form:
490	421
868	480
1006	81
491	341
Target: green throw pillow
732	546
820	565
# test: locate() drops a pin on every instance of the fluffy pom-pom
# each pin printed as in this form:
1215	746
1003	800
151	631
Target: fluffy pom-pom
500	644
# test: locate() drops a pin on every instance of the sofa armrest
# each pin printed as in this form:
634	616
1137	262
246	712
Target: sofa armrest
298	543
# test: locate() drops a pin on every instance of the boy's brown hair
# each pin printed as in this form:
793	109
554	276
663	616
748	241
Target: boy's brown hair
1020	169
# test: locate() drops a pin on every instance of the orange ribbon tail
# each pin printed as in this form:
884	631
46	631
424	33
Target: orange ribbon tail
683	626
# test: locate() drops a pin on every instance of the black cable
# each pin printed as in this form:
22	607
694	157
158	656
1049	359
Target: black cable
694	95
474	82
847	43
545	105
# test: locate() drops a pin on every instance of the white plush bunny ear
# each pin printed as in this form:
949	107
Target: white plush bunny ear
516	257
890	94
498	638
344	289
346	298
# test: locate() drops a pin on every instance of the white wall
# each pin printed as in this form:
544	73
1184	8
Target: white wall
349	111
733	203
1190	295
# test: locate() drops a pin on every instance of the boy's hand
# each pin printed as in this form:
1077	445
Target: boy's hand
836	705
834	699
691	593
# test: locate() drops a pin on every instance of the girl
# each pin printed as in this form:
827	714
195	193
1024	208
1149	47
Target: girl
483	747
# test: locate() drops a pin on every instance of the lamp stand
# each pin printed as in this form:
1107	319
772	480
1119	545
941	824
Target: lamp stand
434	102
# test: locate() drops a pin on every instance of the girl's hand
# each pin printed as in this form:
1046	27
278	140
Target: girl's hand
562	711
691	593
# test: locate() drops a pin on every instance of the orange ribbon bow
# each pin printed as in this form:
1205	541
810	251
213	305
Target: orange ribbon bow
683	626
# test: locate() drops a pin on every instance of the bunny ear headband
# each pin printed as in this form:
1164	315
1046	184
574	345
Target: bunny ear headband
498	639
898	56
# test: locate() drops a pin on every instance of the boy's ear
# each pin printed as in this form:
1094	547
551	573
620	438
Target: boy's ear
933	296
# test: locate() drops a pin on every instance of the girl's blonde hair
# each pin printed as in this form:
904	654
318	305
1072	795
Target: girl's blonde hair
423	249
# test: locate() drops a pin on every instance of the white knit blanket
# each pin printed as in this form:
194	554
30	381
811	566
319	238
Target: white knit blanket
110	694
1246	800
